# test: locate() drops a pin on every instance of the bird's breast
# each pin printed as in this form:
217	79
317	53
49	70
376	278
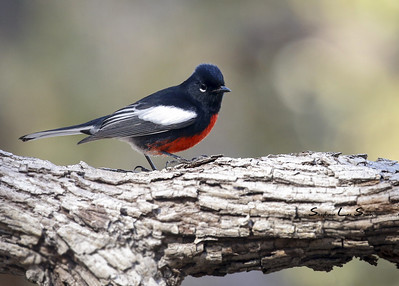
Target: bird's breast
182	143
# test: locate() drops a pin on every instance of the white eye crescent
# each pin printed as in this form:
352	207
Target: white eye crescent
202	88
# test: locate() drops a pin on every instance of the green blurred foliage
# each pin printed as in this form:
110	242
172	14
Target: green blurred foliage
305	75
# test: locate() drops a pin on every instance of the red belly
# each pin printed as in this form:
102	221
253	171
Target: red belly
184	143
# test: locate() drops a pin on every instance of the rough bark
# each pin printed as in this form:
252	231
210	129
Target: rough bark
77	225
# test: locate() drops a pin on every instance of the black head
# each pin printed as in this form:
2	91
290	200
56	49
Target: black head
206	85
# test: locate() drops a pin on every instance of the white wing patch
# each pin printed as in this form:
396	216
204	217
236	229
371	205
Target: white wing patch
165	115
161	114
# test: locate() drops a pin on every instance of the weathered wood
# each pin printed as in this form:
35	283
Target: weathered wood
79	225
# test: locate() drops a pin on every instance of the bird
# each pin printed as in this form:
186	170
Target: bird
163	123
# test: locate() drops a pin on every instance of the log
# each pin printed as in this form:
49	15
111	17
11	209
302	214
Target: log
78	225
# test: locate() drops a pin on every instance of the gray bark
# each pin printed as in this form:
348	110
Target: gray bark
77	225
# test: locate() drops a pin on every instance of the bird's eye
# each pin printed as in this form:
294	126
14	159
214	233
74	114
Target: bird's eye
202	88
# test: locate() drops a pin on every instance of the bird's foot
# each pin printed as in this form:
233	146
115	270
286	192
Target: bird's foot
176	161
194	162
200	157
139	169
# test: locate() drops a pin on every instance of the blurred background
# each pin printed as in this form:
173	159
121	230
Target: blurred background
305	75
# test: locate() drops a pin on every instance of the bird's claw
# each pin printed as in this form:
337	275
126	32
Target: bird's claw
176	161
139	169
200	157
195	162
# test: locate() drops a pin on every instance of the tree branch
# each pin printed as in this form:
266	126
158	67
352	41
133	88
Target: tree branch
79	225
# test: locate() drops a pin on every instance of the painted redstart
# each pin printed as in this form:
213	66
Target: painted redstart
165	122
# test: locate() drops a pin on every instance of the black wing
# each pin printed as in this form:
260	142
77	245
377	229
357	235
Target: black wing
142	119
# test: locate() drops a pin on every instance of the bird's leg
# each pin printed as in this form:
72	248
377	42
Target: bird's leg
142	169
199	157
177	159
197	161
150	162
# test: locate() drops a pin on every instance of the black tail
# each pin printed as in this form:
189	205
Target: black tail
85	128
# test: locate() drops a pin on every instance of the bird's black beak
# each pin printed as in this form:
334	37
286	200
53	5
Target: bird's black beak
222	89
